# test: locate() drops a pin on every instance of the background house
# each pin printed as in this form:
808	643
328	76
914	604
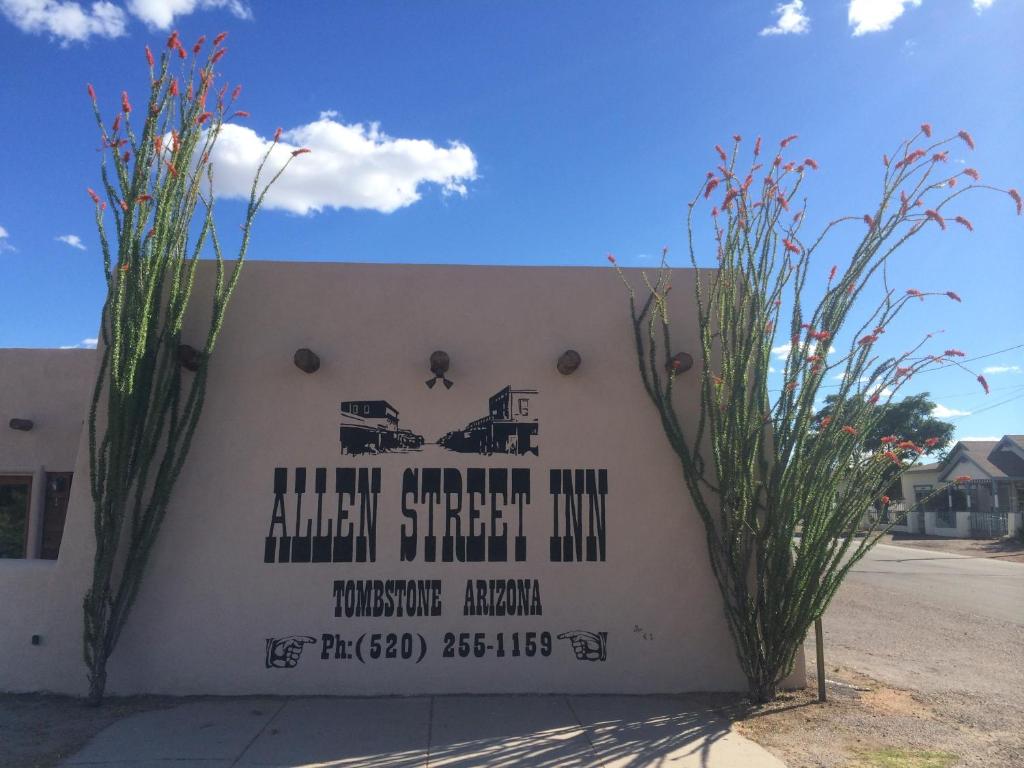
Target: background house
989	504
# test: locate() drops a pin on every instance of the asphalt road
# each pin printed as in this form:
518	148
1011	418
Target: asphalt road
947	626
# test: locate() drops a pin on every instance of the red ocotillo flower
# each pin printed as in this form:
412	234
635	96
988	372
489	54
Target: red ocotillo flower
849	430
972	173
871	338
712	183
963	221
790	246
200	119
810	161
91	91
737	138
888	439
931	442
158	143
936	217
782	201
199	44
173	87
913	292
172	41
220	38
967	138
240	113
832	273
126	106
757	147
277	135
92	194
127	156
721	152
181	50
171	168
954	353
825	421
149	57
984	384
236	92
926	129
869	221
886	500
951	181
611	258
729	197
116	124
891	456
218	55
1013	193
940	157
954	296
787	140
124	206
143	198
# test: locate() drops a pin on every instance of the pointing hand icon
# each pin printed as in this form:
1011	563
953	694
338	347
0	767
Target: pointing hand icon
284	652
588	646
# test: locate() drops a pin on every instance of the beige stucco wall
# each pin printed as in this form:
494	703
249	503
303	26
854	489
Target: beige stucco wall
210	601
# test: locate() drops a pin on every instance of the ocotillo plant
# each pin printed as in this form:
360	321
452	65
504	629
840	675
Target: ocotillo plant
782	497
155	179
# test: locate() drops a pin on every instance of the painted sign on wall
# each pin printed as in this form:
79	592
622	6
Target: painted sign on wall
474	514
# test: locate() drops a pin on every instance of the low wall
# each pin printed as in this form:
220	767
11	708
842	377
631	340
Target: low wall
522	531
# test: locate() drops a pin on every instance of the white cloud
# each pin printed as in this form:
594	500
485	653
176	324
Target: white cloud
981	5
83	344
942	412
876	15
351	166
66	21
792	20
160	13
781	352
5	244
74	22
1002	369
73	240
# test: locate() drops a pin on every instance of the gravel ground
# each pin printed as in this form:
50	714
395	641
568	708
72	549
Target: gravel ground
927	651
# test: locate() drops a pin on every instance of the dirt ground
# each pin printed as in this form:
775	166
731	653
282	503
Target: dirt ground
866	724
1009	549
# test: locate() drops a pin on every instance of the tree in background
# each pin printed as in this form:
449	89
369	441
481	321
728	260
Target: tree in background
908	419
154	179
782	493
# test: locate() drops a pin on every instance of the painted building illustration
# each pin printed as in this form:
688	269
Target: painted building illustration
371	426
508	427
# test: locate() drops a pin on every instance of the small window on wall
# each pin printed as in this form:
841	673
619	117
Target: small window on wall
58	490
15	500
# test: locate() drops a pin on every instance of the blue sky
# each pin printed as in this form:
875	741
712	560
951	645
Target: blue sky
538	133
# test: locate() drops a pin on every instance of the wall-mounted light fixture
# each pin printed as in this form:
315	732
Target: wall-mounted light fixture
189	357
22	425
439	364
568	362
307	360
679	362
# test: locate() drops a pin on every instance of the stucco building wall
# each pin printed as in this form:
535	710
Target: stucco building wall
210	602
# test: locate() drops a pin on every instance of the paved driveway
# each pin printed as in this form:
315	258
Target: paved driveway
451	731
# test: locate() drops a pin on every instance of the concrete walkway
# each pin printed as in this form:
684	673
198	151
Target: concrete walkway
451	731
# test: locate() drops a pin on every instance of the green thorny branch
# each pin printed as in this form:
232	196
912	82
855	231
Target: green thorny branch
782	502
154	182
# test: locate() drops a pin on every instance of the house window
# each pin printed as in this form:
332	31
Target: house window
58	491
15	499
